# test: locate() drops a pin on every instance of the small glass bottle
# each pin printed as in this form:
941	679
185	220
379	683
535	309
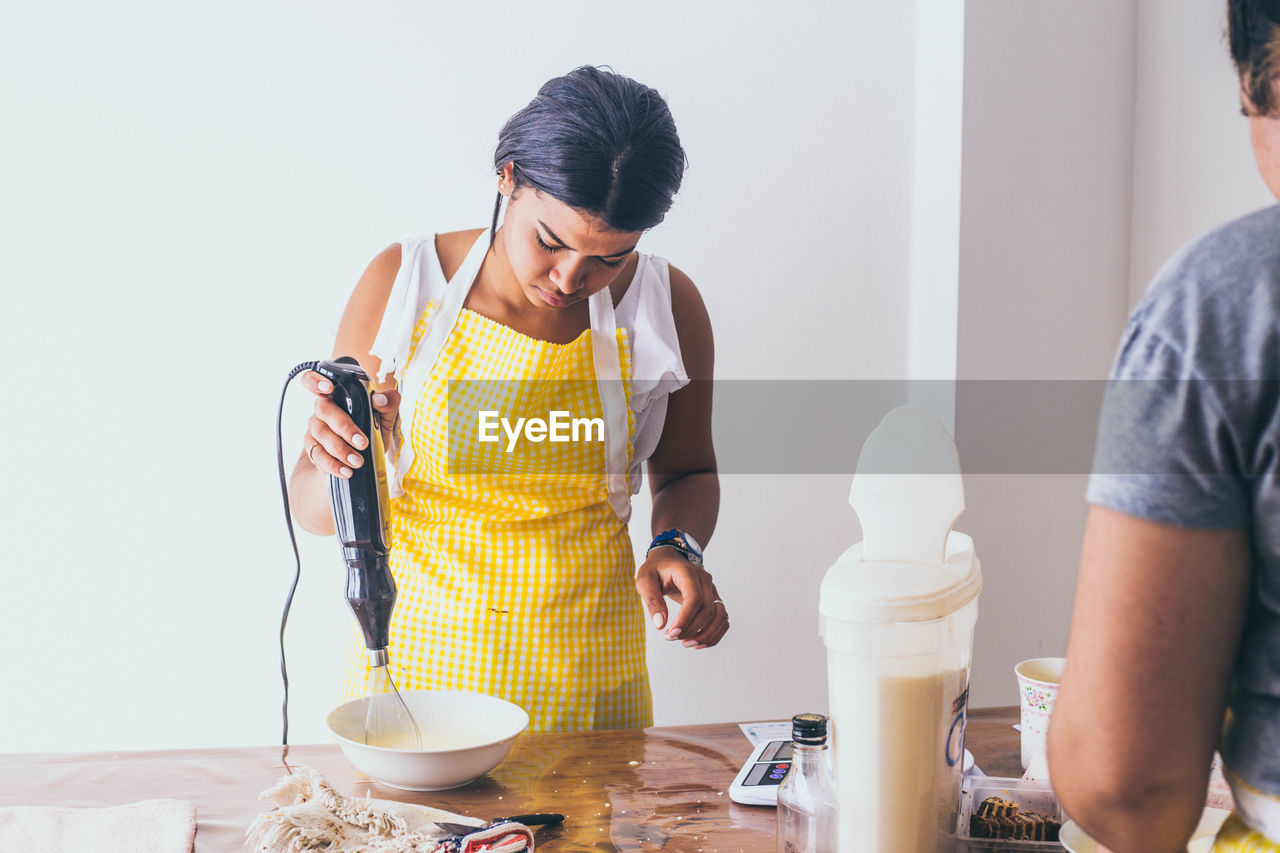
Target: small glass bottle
806	797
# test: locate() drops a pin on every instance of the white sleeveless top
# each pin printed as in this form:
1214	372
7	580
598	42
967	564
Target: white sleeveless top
644	312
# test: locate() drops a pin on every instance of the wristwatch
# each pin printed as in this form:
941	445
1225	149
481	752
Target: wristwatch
681	541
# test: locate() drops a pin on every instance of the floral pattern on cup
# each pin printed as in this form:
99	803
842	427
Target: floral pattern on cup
1037	700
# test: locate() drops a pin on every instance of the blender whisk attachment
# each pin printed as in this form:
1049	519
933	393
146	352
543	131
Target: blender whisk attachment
361	518
388	722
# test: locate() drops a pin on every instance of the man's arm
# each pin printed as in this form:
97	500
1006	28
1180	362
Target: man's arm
1157	621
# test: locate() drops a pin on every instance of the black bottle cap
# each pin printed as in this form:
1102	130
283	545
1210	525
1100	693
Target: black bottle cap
809	729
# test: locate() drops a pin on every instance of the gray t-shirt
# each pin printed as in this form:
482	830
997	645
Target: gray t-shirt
1190	436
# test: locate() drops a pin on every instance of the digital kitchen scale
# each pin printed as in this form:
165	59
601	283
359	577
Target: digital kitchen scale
757	782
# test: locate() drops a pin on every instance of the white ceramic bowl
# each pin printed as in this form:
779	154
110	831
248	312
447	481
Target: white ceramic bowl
464	736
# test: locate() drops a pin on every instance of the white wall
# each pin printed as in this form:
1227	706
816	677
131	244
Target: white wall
1193	168
937	138
1098	138
1044	258
190	190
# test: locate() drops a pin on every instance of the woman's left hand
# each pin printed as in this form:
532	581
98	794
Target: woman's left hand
702	619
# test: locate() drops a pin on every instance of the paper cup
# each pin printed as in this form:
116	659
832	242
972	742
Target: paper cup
1037	691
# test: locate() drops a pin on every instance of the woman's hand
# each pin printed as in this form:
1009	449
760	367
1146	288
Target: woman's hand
703	619
333	443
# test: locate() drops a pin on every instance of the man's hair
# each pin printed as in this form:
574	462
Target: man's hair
1253	30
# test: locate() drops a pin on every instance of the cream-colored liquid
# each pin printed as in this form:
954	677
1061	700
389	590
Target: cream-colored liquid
441	736
394	740
897	793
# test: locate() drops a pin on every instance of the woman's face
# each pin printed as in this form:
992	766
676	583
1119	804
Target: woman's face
559	254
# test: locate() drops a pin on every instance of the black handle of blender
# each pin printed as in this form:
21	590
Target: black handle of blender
357	504
359	508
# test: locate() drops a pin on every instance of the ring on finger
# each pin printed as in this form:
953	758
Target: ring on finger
311	450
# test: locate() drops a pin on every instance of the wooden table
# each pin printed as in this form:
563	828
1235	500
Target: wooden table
663	788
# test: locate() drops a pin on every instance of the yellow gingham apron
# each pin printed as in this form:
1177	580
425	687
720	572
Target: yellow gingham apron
514	573
1236	837
1251	806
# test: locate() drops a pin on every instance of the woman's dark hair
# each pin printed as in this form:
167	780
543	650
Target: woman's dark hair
1253	30
599	142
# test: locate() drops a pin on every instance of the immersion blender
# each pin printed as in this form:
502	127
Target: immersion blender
360	506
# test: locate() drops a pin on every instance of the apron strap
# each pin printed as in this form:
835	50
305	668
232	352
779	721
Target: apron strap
448	309
613	402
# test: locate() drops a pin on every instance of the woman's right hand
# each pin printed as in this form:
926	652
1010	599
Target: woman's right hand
333	442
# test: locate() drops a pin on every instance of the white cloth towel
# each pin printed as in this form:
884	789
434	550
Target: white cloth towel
155	826
311	815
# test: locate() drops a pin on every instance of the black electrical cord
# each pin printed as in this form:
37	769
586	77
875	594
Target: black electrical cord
293	540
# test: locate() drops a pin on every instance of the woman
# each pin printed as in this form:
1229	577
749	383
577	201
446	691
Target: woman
512	558
1175	638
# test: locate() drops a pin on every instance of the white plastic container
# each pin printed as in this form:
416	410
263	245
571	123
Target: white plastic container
897	615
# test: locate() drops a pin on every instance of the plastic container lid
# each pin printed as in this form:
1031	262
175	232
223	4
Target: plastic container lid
907	491
858	590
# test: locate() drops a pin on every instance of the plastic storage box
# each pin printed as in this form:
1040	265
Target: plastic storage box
1028	795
